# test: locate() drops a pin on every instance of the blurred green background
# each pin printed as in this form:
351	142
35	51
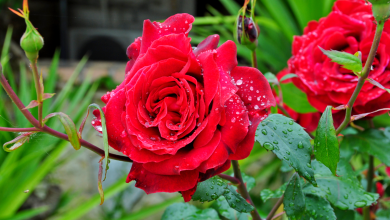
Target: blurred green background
46	178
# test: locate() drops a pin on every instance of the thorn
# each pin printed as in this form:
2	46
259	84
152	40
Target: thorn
17	13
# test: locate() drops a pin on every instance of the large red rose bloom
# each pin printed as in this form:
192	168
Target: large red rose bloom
183	113
349	27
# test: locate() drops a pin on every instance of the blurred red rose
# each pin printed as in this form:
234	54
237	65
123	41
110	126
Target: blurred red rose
349	27
183	113
307	120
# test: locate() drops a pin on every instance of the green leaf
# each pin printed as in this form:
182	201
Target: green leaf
345	191
294	199
288	76
289	141
271	78
285	167
296	99
344	214
27	214
17	142
383	214
224	209
186	211
249	181
318	208
214	187
69	126
326	145
371	141
266	194
347	60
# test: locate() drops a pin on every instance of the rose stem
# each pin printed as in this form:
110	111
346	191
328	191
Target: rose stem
18	129
47	129
254	59
242	189
370	178
232	179
275	208
39	90
364	75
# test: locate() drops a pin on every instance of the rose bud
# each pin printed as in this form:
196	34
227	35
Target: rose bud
380	9
31	41
182	114
327	83
247	32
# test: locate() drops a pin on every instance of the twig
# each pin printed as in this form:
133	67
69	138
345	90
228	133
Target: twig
39	91
362	79
232	179
275	208
242	189
18	129
47	129
254	59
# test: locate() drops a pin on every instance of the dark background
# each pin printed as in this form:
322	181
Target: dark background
101	28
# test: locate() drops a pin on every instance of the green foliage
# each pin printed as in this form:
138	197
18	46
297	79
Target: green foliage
266	194
294	199
383	214
326	145
318	208
346	60
224	209
186	211
214	187
371	141
288	141
345	191
296	99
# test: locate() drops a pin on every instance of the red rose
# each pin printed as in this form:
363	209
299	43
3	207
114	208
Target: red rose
349	27
183	113
307	120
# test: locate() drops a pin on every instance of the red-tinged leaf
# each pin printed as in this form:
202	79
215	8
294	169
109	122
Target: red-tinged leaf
100	186
357	117
17	13
25	6
47	96
33	104
375	83
388	171
70	128
104	132
17	142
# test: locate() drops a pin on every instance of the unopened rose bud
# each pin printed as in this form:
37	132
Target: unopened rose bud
31	41
380	10
247	32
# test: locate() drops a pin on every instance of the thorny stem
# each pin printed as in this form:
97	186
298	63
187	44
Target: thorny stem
362	79
370	178
275	208
39	90
242	189
48	130
18	129
232	179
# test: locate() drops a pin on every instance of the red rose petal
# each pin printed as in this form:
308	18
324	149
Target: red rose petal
218	158
210	43
254	88
187	195
153	183
210	75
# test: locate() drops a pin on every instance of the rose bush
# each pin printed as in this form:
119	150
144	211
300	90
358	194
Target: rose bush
182	113
350	27
307	120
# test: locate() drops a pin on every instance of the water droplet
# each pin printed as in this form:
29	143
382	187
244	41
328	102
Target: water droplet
289	129
308	165
341	205
360	204
239	82
275	128
286	158
369	197
268	146
346	196
264	131
300	145
211	187
214	196
207	194
284	132
291	204
237	200
275	142
291	122
288	152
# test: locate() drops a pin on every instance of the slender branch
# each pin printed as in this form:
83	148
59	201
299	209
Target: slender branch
275	208
232	179
362	79
370	180
47	129
39	90
254	59
242	189
278	215
18	129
